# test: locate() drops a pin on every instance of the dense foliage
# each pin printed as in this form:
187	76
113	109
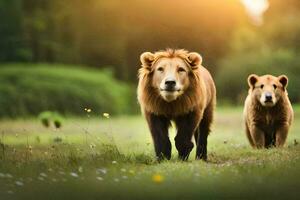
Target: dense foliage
113	32
270	49
30	89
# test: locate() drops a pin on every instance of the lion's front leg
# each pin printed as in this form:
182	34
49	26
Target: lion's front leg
159	130
186	127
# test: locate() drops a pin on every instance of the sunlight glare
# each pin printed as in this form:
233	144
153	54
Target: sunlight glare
256	9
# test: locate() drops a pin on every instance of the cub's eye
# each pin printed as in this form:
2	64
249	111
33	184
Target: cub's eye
262	86
275	86
160	69
180	69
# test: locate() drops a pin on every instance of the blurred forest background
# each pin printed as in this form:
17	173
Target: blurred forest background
67	55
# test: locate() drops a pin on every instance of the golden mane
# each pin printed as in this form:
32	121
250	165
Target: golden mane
150	99
172	53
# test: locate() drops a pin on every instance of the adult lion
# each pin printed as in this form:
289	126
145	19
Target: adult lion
173	85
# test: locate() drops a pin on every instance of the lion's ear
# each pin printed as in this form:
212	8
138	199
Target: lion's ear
283	79
194	59
252	79
147	59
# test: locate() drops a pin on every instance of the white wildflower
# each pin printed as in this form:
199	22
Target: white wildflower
116	180
43	174
101	170
80	169
123	170
19	183
74	174
8	175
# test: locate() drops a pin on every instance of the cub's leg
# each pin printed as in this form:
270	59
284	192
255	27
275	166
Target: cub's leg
202	133
281	134
186	127
269	139
249	135
258	136
159	130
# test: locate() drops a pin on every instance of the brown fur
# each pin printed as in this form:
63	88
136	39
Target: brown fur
267	126
188	111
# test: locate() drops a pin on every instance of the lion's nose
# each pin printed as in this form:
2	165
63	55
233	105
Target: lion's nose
268	97
170	83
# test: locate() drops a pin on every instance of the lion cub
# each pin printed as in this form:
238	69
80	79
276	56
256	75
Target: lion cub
268	112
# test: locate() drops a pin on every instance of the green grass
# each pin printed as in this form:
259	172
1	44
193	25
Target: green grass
99	158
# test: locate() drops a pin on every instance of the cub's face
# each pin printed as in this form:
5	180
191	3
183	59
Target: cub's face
267	89
170	78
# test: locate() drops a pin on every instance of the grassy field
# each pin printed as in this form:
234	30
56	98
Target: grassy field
113	158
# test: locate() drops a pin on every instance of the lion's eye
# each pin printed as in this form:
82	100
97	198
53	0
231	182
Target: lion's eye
262	86
160	69
180	69
275	86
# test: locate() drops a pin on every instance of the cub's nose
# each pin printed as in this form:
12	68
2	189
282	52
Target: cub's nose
170	83
268	97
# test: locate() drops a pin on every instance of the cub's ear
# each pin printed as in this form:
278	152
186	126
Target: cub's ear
283	79
194	59
252	79
147	59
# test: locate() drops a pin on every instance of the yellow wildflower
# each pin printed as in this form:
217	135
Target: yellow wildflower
88	110
157	178
106	115
30	149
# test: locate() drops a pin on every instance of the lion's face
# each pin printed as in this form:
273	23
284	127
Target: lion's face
170	75
170	78
267	89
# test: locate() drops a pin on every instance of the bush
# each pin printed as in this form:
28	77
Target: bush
232	77
27	90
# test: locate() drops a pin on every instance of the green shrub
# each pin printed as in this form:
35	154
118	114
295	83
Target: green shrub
27	90
47	118
231	79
